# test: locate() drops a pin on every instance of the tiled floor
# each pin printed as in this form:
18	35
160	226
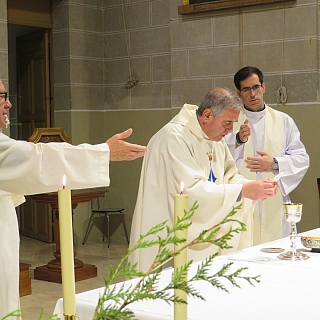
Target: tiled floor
45	294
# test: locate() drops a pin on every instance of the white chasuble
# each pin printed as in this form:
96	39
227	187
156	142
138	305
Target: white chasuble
181	152
268	214
27	168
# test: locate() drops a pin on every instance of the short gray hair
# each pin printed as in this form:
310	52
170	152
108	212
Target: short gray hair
219	99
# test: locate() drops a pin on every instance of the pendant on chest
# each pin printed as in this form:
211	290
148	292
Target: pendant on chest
211	177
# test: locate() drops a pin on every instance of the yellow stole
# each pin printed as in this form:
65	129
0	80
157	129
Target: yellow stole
267	225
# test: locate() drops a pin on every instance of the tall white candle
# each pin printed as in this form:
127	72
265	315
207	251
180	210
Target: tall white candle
66	248
180	205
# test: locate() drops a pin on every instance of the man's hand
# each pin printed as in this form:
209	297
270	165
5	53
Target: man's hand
260	164
245	131
124	151
260	189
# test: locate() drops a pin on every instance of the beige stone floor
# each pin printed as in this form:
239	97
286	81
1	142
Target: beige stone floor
45	294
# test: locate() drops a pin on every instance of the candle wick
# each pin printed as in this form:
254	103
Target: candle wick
63	187
181	193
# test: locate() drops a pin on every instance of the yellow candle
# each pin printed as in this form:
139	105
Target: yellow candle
180	205
66	248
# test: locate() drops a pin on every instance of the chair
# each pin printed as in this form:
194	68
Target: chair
45	135
106	212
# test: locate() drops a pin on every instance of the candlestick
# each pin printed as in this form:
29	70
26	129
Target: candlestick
66	248
180	205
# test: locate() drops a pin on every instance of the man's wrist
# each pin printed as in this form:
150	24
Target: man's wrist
275	164
238	140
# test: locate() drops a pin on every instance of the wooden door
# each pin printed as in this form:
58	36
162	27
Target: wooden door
34	111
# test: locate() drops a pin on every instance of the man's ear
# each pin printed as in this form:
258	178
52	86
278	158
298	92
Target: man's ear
207	113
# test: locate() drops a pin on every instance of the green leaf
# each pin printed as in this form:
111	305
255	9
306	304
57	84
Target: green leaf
114	301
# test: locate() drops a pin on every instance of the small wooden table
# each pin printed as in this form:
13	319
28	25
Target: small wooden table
24	280
52	270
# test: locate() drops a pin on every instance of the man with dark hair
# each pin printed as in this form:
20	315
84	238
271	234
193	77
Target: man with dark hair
266	142
190	148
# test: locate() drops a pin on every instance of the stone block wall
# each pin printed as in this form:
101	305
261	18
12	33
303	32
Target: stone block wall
4	43
78	55
209	48
137	44
99	45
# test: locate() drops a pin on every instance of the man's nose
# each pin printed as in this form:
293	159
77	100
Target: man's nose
252	92
229	128
7	104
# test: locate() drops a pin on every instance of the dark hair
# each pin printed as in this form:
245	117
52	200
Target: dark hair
244	73
219	99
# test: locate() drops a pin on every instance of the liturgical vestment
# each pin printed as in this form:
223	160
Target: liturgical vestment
27	168
276	133
180	152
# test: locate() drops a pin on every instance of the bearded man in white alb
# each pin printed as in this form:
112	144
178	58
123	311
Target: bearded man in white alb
190	148
27	168
266	142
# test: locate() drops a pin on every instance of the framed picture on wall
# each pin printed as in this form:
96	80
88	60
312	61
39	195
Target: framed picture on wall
196	6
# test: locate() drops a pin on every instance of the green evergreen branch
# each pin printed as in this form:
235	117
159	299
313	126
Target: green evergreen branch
114	301
147	288
16	313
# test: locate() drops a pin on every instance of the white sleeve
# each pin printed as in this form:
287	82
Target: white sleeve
294	159
27	168
237	153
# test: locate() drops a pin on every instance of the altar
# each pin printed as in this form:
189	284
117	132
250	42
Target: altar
287	290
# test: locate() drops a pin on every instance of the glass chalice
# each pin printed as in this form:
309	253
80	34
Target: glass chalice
293	212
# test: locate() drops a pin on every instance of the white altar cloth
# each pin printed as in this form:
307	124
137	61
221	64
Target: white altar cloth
288	290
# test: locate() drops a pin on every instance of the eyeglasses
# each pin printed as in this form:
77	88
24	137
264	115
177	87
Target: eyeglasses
254	88
3	96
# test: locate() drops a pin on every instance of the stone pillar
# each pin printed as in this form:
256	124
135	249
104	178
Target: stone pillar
77	63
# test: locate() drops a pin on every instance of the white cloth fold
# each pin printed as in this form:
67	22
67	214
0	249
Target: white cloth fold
27	168
179	152
276	133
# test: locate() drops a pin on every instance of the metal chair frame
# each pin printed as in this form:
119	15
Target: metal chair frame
106	212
